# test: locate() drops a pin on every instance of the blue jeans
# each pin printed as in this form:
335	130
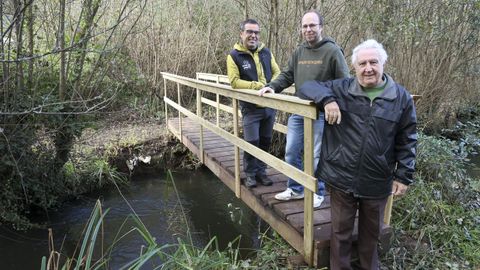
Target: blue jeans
294	148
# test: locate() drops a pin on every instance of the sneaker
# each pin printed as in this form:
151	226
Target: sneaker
264	180
288	194
317	200
250	182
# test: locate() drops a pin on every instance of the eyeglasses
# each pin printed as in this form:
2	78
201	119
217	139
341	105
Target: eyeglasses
251	32
312	26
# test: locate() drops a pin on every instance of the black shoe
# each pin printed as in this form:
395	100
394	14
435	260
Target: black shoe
264	180
250	182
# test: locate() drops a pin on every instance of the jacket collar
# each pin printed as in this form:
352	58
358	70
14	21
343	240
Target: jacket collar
239	47
389	93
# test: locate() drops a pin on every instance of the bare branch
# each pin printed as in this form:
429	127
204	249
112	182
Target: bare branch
40	108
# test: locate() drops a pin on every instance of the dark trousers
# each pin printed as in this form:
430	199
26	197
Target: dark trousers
257	130
370	219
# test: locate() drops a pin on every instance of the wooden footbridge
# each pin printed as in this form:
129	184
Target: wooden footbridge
220	147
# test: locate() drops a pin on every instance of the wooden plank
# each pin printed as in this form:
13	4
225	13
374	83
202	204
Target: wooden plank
223	158
217	145
220	153
194	134
288	208
308	200
276	187
211	143
236	150
206	137
320	216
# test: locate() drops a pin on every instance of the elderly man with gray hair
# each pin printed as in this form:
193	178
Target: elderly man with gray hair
368	151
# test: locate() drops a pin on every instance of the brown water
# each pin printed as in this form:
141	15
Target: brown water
210	208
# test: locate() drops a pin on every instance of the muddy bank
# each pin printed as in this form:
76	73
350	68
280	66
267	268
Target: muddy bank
121	141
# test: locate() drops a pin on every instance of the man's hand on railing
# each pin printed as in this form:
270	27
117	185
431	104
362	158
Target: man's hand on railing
265	90
332	113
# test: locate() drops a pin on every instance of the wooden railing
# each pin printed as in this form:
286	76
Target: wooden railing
286	103
220	86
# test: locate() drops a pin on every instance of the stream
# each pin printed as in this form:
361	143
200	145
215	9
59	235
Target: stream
208	208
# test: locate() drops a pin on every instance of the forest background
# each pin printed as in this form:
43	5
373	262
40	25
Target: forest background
64	65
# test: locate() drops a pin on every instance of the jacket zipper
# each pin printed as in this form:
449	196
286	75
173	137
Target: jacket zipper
362	152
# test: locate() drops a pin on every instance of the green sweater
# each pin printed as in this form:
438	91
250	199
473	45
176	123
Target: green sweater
322	62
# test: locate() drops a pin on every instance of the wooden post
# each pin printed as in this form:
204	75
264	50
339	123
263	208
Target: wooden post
165	104
388	210
308	201
179	101
236	149
218	104
199	114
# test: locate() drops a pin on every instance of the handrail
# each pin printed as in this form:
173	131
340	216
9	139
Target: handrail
279	102
220	78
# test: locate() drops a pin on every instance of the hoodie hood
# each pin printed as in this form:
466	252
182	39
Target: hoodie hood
318	44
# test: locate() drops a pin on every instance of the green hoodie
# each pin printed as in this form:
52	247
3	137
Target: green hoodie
322	62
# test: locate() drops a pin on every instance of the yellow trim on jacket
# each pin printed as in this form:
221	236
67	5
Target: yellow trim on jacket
234	74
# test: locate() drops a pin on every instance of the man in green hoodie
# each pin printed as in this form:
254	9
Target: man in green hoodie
250	65
318	59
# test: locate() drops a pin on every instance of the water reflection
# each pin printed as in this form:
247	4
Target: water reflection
206	210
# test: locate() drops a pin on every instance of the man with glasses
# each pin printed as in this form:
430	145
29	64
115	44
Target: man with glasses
250	65
317	58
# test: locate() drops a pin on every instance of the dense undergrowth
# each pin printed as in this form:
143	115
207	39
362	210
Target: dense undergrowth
437	223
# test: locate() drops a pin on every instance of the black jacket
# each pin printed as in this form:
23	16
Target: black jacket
375	142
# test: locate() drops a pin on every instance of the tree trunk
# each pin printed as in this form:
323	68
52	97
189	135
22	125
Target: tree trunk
61	46
30	20
246	9
271	25
89	10
19	42
3	79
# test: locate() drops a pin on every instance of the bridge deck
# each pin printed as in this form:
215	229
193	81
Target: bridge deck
286	217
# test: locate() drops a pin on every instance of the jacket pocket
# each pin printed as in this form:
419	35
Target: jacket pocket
337	157
375	167
388	115
383	164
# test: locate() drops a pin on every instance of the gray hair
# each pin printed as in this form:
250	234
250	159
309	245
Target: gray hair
370	44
